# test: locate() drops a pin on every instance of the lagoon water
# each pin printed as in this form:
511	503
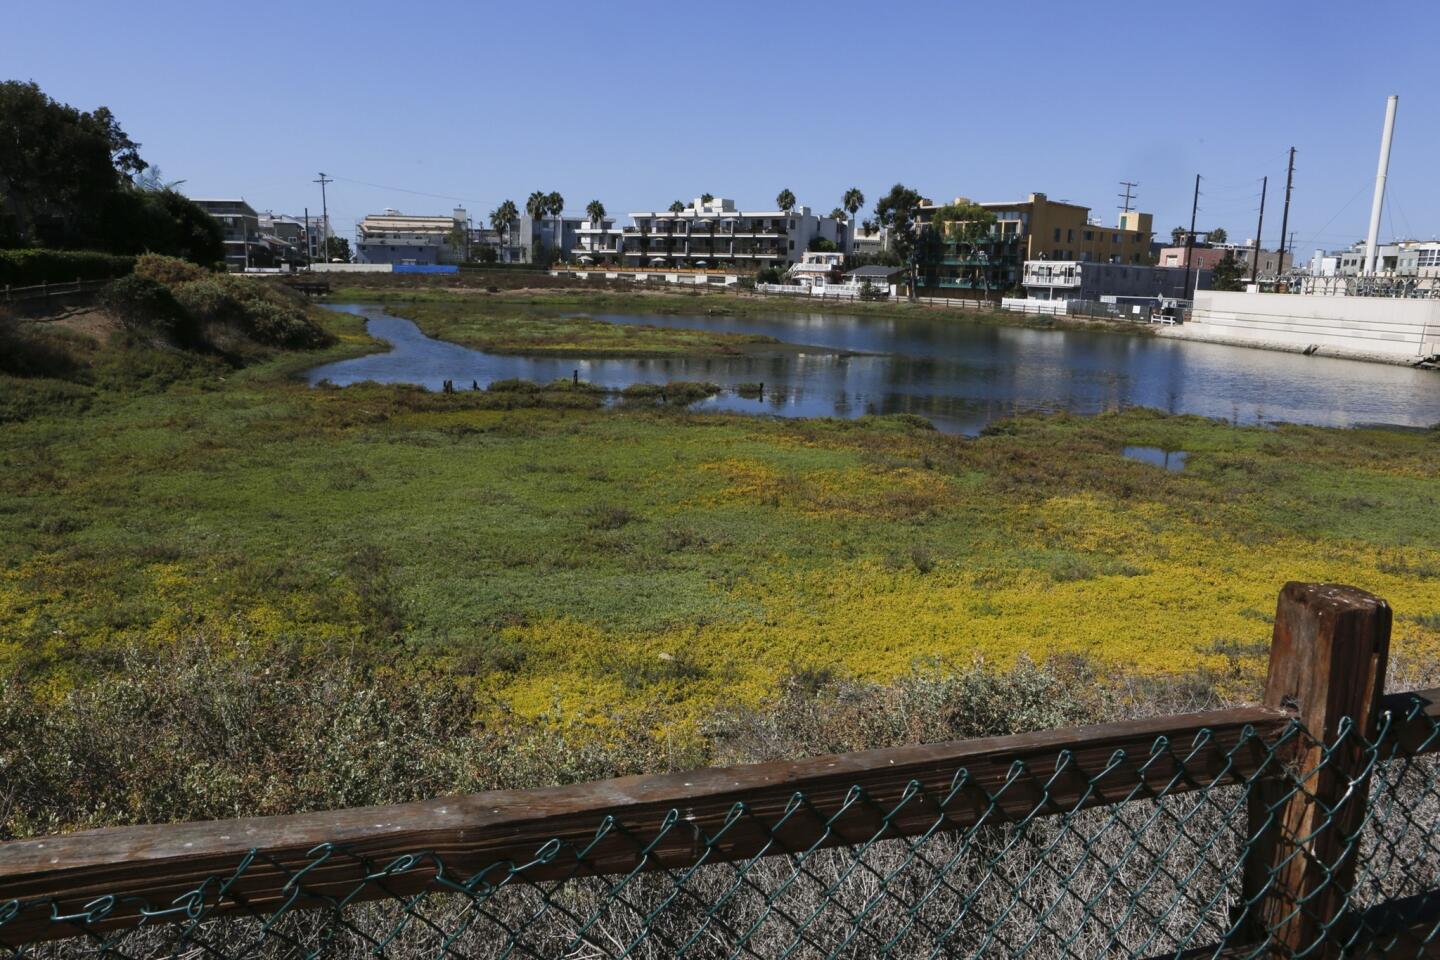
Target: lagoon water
959	375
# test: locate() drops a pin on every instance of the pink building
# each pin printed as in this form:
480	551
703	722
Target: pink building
1205	258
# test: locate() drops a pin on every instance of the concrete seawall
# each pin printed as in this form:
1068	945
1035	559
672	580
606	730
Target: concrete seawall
1365	328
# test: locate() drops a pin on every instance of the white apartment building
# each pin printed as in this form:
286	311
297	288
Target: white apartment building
598	242
716	234
397	238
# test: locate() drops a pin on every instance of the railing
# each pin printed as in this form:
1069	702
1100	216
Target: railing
1306	826
44	291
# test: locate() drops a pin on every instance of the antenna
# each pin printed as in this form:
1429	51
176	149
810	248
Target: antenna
1128	195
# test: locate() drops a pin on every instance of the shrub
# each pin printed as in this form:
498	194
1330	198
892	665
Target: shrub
513	385
749	389
33	354
642	391
32	266
145	306
208	300
264	313
688	391
609	517
167	270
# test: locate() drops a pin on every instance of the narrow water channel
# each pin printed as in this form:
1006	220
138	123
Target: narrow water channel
959	375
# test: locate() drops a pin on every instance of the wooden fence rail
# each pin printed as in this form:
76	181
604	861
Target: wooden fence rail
44	291
1327	662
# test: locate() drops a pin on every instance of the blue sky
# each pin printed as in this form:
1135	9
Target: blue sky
638	104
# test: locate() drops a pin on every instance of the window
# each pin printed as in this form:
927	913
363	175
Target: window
1089	234
1117	238
1057	235
1069	236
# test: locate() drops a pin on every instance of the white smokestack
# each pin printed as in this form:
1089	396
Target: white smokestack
1372	243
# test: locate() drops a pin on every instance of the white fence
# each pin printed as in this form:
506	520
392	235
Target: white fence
1052	308
833	291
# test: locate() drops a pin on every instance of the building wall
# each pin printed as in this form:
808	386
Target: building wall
1079	280
1343	326
1062	231
415	251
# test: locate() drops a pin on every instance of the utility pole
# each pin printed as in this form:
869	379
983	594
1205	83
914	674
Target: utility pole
309	241
325	215
1255	264
1285	217
1190	241
1128	195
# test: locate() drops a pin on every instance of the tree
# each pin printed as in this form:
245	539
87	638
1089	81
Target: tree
58	168
1227	274
853	201
821	245
676	206
705	198
1177	237
337	248
967	225
785	200
837	214
537	205
899	210
595	210
458	239
501	219
1218	235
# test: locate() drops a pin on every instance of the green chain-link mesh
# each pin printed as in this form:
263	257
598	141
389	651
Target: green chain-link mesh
1127	870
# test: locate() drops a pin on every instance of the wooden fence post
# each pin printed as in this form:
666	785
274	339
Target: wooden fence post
1327	662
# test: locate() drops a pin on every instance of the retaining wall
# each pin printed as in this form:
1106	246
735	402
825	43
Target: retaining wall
1382	327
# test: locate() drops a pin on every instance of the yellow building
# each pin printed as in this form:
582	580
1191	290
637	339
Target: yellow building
1037	229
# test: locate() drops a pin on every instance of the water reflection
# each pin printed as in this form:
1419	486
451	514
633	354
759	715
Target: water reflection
959	375
1172	460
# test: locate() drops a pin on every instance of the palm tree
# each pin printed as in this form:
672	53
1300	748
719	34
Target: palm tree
555	205
704	198
785	200
537	206
837	214
501	219
853	201
677	206
595	210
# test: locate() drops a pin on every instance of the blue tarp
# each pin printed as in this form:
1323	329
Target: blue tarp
425	268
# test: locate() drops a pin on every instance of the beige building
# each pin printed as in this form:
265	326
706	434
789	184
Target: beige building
1036	228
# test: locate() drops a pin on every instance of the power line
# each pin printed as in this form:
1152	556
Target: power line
1319	234
417	193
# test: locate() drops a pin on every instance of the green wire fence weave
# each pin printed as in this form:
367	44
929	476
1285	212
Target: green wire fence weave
1125	870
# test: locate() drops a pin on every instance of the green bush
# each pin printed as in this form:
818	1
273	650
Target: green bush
144	306
260	311
167	270
688	391
22	268
513	385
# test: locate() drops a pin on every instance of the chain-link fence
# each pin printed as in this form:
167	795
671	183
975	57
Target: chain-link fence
1092	854
1308	827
